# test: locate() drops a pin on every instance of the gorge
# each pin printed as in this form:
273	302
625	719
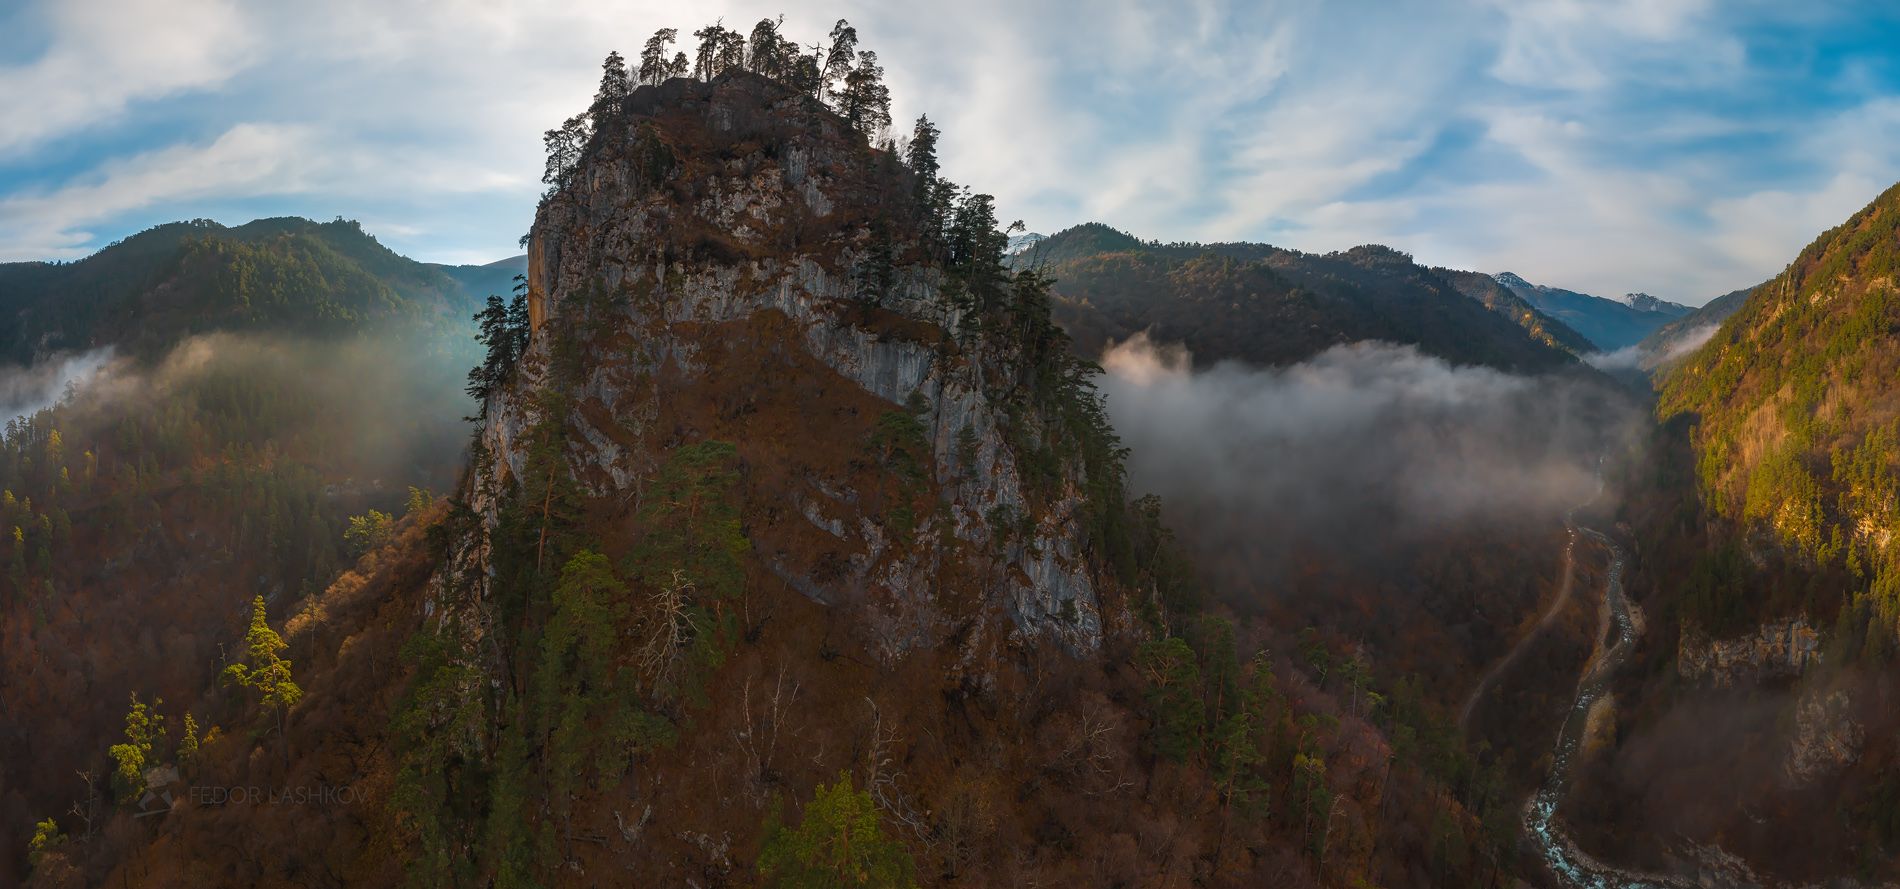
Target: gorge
802	524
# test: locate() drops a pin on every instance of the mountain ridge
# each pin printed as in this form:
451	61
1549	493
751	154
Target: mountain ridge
1271	306
1608	324
148	291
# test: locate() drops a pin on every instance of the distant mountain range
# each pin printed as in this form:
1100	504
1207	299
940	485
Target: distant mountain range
1269	306
147	292
1609	324
1678	338
1116	284
478	281
1505	301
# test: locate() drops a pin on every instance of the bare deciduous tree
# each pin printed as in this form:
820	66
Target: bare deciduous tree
87	809
670	629
1087	755
759	734
881	781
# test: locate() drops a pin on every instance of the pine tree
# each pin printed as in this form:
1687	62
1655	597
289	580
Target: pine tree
804	74
921	157
589	608
838	844
1239	748
144	728
844	48
579	676
865	101
1313	794
769	55
709	61
875	273
188	743
615	84
491	322
518	325
975	246
654	66
732	50
1174	696
368	532
504	330
46	838
564	148
266	671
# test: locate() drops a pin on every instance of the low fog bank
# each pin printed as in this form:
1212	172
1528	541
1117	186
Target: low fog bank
1361	448
1640	357
25	391
375	408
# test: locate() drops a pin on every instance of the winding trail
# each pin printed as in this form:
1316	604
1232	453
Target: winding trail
1497	671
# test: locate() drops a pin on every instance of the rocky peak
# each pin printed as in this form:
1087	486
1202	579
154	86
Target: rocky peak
1024	241
1643	302
730	261
1513	281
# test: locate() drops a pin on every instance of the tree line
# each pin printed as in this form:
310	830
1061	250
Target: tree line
837	72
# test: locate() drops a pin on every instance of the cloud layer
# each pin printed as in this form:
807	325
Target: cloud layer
1367	445
1669	146
25	391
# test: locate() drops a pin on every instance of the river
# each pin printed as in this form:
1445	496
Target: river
1571	866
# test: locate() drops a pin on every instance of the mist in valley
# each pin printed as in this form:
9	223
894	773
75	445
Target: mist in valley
374	408
176	489
1360	449
1637	357
28	390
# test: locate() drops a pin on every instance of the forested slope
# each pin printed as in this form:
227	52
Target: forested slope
248	391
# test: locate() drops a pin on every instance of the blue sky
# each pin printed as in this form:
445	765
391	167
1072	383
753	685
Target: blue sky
1677	147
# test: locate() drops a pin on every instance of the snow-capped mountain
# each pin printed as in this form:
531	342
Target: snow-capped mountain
1643	302
1019	243
1610	324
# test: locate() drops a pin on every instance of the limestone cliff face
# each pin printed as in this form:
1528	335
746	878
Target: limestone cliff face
1827	736
701	278
1779	649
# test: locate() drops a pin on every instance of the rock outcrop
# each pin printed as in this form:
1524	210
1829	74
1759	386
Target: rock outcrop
1776	650
1826	737
706	260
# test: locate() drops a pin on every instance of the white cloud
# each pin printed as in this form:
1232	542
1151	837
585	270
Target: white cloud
107	54
1854	148
1582	45
1302	123
247	159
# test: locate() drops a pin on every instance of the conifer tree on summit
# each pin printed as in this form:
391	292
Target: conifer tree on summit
865	101
768	53
615	82
654	65
844	48
709	60
921	156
